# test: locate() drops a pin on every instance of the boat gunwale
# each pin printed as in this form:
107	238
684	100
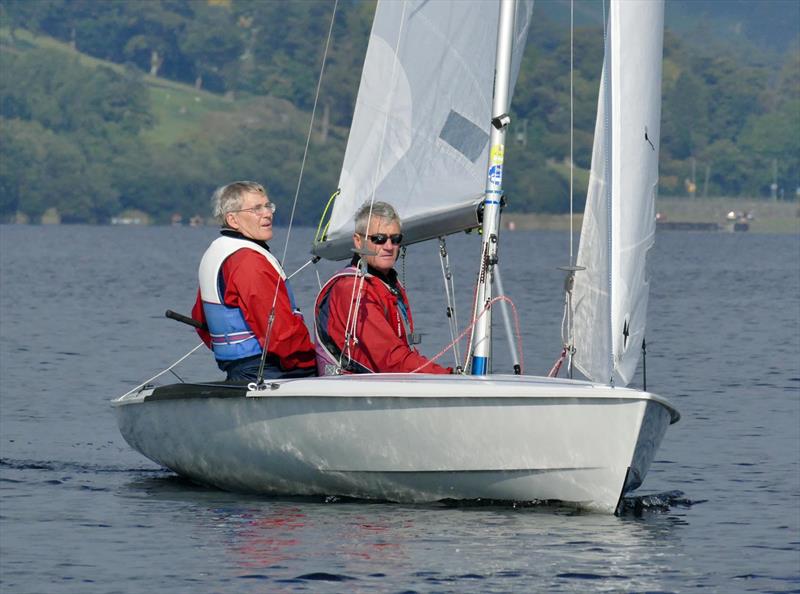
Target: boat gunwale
392	383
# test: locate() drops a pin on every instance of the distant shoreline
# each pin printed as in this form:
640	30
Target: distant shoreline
766	216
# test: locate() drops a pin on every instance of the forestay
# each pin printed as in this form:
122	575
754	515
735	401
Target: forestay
420	133
611	295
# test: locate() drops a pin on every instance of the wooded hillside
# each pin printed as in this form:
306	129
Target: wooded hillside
150	104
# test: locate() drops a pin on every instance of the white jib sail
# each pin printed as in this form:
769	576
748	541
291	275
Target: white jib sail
610	296
420	133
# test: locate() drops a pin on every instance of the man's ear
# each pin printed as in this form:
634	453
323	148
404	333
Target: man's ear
231	221
357	240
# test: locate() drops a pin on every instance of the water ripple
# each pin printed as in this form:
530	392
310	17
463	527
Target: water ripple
325	577
78	467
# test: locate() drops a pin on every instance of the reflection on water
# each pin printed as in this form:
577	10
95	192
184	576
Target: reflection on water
303	540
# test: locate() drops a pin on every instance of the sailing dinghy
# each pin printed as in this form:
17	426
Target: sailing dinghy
428	135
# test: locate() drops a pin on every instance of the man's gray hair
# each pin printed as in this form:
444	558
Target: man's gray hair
382	210
229	198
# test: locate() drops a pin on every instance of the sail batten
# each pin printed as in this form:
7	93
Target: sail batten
611	295
421	126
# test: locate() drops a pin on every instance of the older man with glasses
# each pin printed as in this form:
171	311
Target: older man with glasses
244	298
362	316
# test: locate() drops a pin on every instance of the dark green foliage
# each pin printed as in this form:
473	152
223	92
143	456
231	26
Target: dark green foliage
40	169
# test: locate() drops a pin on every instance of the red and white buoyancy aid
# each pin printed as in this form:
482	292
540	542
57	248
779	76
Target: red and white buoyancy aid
231	337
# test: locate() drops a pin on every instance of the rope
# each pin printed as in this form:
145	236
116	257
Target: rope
352	312
557	365
320	236
472	324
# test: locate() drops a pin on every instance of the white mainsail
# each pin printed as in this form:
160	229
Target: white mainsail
610	296
420	133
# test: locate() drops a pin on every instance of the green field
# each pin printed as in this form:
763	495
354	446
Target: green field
180	110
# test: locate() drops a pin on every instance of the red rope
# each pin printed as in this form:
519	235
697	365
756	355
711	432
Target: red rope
472	324
557	365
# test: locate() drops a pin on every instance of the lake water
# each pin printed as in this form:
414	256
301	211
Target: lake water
81	322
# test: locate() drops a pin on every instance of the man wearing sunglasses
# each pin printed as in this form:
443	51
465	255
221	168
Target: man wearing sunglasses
242	285
366	303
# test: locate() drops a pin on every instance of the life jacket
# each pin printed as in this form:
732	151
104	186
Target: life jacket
231	337
328	353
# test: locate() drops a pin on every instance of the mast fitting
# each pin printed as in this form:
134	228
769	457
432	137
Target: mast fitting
501	121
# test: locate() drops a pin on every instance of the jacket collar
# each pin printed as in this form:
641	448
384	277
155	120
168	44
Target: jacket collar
390	278
235	234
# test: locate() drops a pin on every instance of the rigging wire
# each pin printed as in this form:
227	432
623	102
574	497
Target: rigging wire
567	320
160	373
449	289
498	281
310	128
312	260
260	376
468	354
571	130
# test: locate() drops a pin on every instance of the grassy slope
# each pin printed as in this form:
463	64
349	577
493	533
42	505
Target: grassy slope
180	110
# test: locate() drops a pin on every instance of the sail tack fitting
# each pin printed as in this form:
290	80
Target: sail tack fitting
567	321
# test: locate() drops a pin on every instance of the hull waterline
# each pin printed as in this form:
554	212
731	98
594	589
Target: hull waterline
407	438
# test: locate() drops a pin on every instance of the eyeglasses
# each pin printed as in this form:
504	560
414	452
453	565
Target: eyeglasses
260	209
380	238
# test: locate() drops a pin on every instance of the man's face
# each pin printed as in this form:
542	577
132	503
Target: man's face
253	219
387	252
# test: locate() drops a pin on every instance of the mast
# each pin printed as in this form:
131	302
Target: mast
480	350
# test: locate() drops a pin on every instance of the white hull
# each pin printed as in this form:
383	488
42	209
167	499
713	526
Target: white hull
404	437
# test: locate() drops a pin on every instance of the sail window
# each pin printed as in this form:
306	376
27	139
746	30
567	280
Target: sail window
464	136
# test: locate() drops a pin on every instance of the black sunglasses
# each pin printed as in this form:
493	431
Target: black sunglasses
380	238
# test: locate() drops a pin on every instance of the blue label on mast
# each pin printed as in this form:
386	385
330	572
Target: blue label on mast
479	365
496	174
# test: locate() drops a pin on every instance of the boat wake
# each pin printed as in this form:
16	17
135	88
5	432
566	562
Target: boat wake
637	505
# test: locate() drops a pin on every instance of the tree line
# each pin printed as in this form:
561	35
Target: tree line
92	140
